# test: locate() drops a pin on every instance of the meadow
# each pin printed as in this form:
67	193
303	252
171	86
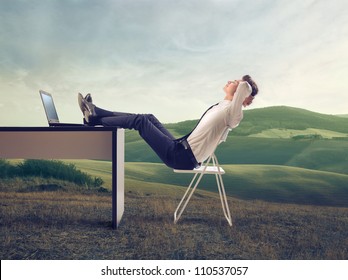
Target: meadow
271	183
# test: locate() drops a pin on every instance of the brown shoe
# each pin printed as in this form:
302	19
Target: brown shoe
87	108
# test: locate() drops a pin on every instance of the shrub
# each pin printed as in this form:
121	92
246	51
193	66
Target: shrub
307	137
49	169
7	170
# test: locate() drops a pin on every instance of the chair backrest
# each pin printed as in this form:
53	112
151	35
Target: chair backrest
225	134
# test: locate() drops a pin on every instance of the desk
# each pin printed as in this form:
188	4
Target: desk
71	142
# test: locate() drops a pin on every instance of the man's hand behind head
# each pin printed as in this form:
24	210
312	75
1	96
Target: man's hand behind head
247	101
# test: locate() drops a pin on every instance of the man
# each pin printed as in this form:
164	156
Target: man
194	148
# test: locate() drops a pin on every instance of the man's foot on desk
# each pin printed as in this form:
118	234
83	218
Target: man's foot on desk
87	108
88	98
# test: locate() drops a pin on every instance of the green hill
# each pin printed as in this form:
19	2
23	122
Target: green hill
325	155
283	117
272	136
279	117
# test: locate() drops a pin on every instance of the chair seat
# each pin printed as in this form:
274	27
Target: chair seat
209	170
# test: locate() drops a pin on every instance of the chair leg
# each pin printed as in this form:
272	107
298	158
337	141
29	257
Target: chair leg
223	199
220	184
177	216
181	210
222	193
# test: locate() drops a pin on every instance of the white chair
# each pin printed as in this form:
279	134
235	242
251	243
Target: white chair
211	166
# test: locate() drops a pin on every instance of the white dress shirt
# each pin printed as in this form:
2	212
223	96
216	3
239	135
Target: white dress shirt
205	137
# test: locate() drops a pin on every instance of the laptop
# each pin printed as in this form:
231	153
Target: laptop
51	112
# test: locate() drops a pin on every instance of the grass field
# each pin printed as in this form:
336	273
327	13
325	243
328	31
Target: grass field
249	182
75	224
65	221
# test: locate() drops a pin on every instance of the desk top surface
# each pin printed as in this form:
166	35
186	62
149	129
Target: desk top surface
59	128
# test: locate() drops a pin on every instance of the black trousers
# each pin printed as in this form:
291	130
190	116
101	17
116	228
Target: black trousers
175	153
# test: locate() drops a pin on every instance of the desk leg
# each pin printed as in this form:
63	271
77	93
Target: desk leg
117	177
114	180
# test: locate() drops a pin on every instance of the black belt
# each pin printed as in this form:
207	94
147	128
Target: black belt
187	147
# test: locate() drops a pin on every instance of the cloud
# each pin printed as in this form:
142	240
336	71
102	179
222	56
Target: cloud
157	56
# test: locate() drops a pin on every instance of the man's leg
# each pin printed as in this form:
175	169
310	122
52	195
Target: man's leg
148	126
108	118
102	113
150	129
93	115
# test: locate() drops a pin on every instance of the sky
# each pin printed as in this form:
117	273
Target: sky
169	58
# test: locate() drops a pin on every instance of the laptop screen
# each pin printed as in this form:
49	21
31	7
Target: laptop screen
50	109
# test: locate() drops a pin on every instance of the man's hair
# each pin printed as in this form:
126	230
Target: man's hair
253	85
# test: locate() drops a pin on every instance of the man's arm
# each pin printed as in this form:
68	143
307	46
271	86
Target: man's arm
242	94
240	97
